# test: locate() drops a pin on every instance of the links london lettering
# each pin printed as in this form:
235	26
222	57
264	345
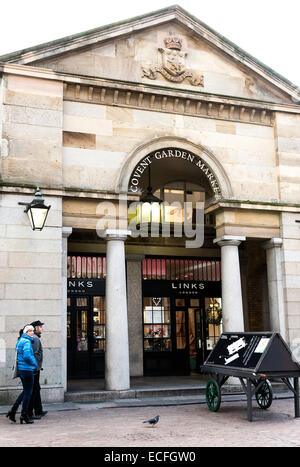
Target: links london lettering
79	283
188	286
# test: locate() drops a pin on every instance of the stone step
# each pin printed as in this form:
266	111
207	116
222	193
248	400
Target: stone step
99	396
130	394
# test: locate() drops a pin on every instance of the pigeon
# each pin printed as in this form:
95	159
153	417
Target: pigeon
152	421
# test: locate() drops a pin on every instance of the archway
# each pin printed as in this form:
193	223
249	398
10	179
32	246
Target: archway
169	159
179	284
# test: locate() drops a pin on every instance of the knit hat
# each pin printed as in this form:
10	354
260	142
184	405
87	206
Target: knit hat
27	328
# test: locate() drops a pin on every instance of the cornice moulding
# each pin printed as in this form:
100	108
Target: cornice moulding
65	192
97	83
253	206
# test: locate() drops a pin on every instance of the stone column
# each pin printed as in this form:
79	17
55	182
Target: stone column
275	286
232	304
117	376
135	313
66	232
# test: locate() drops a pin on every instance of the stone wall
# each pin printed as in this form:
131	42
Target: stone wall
290	232
123	58
31	130
288	156
98	140
30	289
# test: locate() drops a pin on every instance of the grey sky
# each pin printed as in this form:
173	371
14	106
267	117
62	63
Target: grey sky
267	29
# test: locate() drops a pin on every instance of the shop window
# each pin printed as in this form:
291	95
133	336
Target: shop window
179	302
194	302
157	324
213	309
181	269
86	267
82	330
83	301
98	324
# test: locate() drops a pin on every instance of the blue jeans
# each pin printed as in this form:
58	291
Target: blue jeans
27	381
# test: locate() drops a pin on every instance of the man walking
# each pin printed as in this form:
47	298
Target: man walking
35	401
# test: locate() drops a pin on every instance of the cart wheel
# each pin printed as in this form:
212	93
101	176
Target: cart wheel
264	396
213	395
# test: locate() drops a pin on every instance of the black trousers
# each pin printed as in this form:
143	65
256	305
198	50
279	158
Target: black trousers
25	396
35	403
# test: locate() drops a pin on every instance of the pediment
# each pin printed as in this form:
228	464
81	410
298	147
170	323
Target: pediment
138	51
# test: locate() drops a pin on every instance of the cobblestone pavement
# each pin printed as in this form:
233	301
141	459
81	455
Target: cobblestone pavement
180	426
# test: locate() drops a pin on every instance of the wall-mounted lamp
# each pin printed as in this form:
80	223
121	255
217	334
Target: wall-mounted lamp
37	211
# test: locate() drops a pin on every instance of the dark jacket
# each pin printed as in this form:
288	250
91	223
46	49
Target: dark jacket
25	356
38	351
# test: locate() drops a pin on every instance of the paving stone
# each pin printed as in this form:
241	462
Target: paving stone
193	425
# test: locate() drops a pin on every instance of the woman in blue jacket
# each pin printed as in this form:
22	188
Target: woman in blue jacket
26	365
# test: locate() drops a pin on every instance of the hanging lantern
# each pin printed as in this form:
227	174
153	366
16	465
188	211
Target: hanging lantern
37	211
149	209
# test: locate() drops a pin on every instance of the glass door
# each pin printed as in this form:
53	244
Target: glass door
179	333
208	327
85	337
197	343
78	337
214	324
157	336
97	354
181	345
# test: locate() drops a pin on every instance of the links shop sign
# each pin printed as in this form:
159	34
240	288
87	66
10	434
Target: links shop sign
188	288
86	286
172	153
97	287
177	288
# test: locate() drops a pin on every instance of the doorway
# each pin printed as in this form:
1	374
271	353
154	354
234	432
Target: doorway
179	334
85	337
191	332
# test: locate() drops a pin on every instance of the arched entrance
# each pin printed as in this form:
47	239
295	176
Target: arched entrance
203	159
181	289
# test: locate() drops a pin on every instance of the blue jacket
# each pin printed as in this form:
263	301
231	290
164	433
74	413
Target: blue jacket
25	355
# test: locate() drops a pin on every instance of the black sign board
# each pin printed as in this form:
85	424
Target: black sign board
86	286
184	288
257	352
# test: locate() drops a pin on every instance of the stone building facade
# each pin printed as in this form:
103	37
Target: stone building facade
85	118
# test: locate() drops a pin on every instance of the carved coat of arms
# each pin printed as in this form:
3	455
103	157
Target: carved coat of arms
173	63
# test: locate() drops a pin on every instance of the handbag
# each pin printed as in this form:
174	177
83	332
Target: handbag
15	373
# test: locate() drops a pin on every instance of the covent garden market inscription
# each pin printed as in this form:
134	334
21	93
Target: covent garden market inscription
173	153
173	63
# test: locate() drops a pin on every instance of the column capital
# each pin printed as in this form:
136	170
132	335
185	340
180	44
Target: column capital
116	234
229	240
66	231
273	243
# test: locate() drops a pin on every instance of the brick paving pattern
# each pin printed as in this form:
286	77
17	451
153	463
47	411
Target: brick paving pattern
180	426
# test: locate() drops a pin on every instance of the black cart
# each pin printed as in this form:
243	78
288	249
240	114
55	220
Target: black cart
253	358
